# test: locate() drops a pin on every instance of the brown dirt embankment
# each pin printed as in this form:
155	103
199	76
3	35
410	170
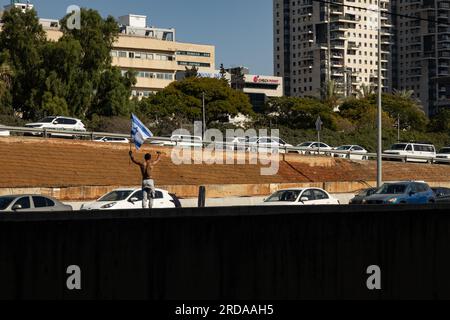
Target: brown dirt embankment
64	164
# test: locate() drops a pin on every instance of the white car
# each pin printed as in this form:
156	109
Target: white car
180	140
121	199
353	152
313	148
4	133
268	144
300	197
57	123
443	156
413	152
112	140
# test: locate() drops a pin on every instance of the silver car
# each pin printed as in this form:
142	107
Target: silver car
31	203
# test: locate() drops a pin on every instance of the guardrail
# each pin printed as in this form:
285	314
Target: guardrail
46	133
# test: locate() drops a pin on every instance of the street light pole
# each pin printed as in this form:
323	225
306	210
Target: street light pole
204	116
380	110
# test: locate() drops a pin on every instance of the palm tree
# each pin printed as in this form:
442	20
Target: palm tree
405	94
331	95
365	91
409	95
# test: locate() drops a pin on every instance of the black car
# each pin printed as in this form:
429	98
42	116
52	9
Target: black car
442	194
358	199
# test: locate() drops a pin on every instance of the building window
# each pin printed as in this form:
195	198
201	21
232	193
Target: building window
194	54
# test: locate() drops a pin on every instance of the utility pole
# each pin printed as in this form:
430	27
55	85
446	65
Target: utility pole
328	44
380	110
204	116
398	128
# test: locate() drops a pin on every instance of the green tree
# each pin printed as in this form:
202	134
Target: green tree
183	100
22	39
441	122
299	113
330	95
113	95
191	72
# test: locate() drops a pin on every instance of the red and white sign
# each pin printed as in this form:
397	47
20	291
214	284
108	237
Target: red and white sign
266	80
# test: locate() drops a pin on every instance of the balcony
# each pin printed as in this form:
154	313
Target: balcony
353	45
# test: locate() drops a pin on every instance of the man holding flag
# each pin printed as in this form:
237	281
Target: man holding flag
139	133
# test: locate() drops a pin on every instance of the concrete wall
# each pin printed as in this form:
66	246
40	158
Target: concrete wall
259	253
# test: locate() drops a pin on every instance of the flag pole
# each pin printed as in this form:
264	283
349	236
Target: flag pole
131	138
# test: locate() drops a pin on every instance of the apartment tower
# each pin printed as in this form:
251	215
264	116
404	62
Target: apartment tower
423	51
316	42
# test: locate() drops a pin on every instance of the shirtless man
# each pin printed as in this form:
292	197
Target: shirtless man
148	184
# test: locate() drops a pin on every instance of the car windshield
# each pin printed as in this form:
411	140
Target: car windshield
253	139
5	202
305	144
392	189
284	196
116	195
445	151
344	148
47	120
399	147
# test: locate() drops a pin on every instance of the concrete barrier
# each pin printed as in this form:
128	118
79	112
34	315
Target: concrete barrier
265	253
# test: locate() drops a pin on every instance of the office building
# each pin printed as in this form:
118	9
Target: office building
259	88
153	53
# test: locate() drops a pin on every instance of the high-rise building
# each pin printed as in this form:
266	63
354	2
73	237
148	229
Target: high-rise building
316	42
423	51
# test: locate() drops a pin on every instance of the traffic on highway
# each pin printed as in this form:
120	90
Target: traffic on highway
65	127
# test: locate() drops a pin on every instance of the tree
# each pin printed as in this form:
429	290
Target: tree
183	100
113	95
6	75
191	73
410	113
96	37
441	122
331	96
365	91
299	113
22	39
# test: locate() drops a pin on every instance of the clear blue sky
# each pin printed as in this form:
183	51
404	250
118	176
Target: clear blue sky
241	30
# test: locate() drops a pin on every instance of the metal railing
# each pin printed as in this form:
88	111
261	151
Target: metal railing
244	147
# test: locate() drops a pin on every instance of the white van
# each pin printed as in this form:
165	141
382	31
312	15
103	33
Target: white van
414	152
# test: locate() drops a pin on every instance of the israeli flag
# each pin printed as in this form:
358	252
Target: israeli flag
139	132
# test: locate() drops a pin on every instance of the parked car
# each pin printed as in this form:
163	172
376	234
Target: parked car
230	143
426	152
300	197
268	144
443	156
180	140
313	148
57	123
360	196
410	192
121	199
353	152
112	140
4	133
442	194
31	203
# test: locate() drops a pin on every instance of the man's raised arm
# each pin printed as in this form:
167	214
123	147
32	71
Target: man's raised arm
132	159
158	158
